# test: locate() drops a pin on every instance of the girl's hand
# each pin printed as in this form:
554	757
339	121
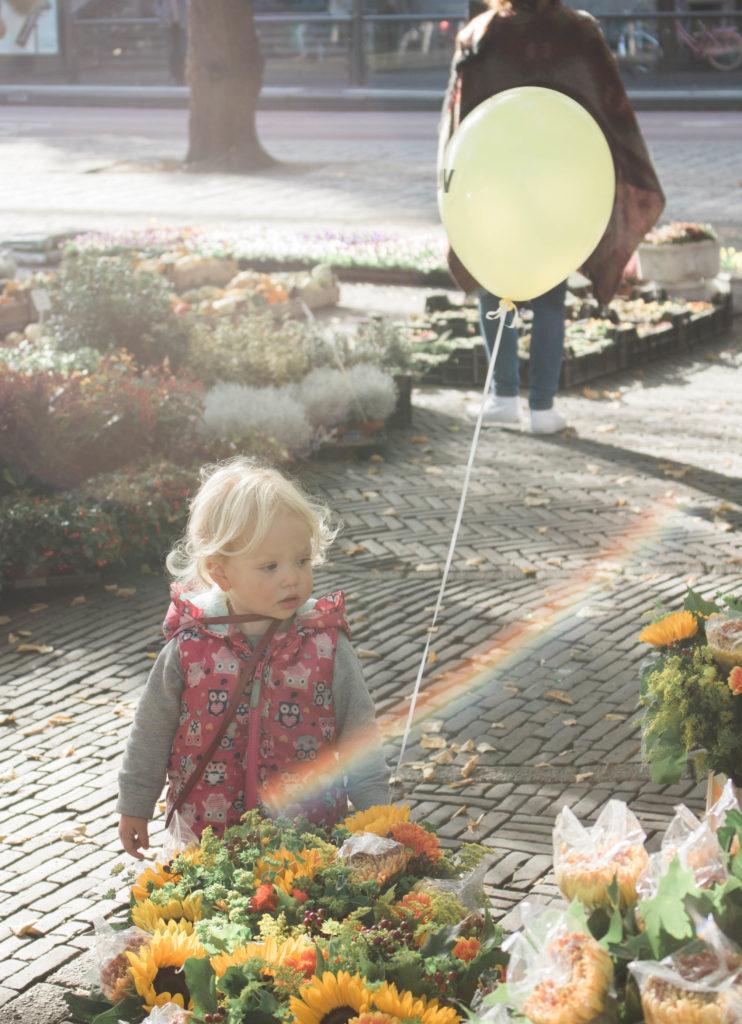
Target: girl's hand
133	835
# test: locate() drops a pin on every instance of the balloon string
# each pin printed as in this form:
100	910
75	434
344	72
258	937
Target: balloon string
506	306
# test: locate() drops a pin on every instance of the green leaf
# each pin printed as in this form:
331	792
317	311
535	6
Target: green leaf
732	603
129	1010
698	605
86	1008
665	753
201	982
665	916
440	942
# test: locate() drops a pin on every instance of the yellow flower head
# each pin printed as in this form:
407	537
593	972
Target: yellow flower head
157	875
405	1005
155	967
298	953
379	820
284	867
670	629
319	1001
374	1018
150	916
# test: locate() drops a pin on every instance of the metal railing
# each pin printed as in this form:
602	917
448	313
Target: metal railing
351	49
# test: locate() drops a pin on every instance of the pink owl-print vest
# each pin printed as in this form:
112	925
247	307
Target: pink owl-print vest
296	764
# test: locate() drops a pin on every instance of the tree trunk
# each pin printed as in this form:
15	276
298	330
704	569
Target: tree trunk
225	74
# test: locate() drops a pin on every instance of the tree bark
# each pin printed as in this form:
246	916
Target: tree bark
225	75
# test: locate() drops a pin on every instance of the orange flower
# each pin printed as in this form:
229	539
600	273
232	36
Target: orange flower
264	900
417	839
304	962
735	680
466	949
299	895
418	904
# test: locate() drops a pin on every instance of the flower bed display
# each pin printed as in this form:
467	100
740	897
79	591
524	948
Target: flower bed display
353	255
447	348
274	922
373	923
691	690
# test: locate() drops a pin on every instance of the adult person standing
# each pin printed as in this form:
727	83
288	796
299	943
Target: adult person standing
173	15
543	43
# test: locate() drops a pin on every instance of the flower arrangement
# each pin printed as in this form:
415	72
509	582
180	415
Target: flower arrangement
690	690
680	233
290	922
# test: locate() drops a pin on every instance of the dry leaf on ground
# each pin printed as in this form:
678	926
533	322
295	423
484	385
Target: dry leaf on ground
38	607
376	458
34	649
560	695
470	766
485	748
8	720
27	929
4	620
78	600
60	720
363	653
433	742
434	470
584	776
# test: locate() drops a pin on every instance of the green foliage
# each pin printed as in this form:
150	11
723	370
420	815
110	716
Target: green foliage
384	343
104	303
253	349
690	708
668	925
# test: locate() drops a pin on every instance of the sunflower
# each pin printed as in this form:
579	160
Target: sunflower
379	819
670	629
331	999
404	1005
150	916
419	840
158	877
297	953
155	967
289	866
374	1018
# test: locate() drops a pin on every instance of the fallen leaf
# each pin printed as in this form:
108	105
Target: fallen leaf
432	658
434	470
369	495
78	600
14	840
60	720
459	811
584	776
126	592
376	458
391	511
621	502
591	394
9	776
498	725
34	649
4	620
363	653
434	726
38	607
559	695
13	638
477	560
460	784
70	752
356	549
613	716
419	439
485	748
34	757
530	573
27	929
427	567
511	688
543	764
444	757
8	720
606	428
470	766
152	655
34	730
569	721
428	772
433	742
24	632
534	501
675	473
468	747
111	587
474	824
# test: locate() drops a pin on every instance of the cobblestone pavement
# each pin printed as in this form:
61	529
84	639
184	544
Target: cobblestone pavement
566	543
64	169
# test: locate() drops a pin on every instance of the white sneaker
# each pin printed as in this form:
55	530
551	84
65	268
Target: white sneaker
547	421
498	411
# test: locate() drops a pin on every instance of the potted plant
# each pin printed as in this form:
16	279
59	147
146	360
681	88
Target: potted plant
679	252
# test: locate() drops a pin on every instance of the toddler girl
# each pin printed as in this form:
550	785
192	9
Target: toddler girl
257	699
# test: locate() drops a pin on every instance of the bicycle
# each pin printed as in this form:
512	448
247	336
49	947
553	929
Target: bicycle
720	45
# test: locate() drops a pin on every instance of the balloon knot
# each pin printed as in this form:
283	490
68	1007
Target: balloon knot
506	306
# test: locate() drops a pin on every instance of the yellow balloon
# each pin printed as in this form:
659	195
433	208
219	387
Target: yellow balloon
526	187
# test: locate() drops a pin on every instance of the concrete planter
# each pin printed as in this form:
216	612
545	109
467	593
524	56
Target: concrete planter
679	261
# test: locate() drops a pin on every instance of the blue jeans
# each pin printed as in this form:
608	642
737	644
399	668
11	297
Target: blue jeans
547	346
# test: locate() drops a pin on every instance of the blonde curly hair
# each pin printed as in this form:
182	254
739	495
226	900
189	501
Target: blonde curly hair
232	512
